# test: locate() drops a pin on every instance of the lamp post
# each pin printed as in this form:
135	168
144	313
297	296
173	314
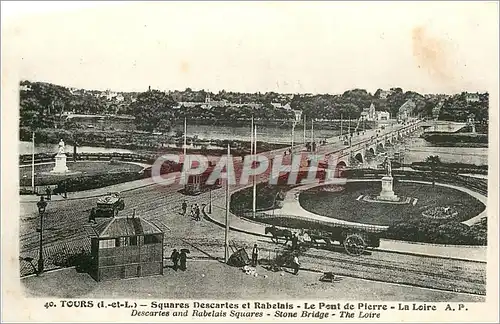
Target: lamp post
210	201
42	204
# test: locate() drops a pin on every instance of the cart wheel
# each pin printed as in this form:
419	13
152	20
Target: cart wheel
121	206
354	244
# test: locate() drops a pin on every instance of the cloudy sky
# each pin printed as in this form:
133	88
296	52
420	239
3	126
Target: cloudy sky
320	47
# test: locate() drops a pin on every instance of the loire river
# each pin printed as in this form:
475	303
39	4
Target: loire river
417	149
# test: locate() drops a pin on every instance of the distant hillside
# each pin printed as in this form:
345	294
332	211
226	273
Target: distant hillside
461	106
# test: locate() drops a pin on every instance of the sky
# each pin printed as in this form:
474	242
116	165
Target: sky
288	47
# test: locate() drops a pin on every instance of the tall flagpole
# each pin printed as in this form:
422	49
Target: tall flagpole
33	164
305	126
312	133
185	134
251	138
254	201
226	234
341	120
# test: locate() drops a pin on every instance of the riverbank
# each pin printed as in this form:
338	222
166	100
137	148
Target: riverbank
142	142
456	139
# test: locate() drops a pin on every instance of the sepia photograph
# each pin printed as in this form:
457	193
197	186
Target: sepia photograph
243	161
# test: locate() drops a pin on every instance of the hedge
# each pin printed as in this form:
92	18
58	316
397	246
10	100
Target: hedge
438	232
95	181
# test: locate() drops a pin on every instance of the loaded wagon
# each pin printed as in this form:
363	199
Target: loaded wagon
107	206
354	240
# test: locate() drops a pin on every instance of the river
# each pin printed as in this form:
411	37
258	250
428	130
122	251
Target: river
417	149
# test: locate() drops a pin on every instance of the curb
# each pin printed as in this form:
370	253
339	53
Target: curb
213	220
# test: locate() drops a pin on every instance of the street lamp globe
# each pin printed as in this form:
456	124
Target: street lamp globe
42	204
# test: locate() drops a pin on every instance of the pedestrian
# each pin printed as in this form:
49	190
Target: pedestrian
191	212
48	191
197	213
175	259
296	264
184	208
65	190
92	216
255	255
182	259
294	242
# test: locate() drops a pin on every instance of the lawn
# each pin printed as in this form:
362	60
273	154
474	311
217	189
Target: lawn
84	169
343	205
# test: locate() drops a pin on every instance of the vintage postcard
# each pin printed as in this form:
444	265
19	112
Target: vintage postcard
250	161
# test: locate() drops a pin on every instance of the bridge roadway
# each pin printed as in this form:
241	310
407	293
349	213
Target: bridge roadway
65	223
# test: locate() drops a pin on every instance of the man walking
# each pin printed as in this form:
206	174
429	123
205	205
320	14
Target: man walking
183	259
48	191
197	212
296	264
255	255
294	242
184	208
175	259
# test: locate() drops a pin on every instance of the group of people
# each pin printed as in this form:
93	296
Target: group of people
295	264
179	259
195	211
49	192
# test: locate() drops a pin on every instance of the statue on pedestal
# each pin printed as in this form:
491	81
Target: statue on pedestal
61	147
60	167
388	166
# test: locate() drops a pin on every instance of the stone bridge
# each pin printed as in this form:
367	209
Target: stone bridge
363	146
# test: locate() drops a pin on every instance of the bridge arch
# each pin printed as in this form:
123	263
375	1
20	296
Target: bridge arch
359	157
339	168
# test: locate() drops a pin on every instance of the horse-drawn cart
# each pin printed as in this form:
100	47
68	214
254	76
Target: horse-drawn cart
354	239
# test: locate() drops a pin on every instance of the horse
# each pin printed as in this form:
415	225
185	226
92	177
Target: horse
279	233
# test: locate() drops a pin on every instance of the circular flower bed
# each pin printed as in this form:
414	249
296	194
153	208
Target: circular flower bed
440	212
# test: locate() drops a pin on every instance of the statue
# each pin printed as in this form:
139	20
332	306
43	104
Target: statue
60	167
388	166
61	147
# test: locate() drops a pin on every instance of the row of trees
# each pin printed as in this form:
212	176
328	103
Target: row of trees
457	108
43	105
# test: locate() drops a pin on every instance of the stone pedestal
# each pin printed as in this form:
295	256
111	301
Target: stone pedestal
60	166
387	193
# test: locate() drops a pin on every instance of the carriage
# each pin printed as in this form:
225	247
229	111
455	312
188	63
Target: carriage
354	240
107	206
197	183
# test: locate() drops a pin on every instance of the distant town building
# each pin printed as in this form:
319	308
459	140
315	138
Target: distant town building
406	110
119	97
383	115
437	110
209	104
384	94
126	247
472	97
298	115
24	88
369	113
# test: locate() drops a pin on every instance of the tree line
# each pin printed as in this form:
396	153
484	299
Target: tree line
43	105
